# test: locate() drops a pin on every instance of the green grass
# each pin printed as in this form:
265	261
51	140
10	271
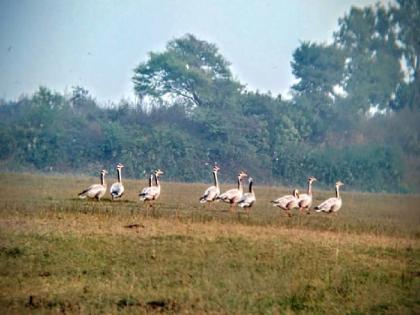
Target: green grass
62	254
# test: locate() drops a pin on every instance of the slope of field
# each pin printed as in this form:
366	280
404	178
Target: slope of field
62	254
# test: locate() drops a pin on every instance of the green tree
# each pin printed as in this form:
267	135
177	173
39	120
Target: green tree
190	70
319	69
406	17
373	72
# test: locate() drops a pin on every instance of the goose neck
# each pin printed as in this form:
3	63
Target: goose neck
157	180
240	184
216	182
119	175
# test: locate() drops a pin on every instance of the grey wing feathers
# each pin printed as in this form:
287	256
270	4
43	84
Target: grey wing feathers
117	190
210	194
149	193
247	200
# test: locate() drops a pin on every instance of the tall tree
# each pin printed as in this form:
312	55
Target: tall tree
373	70
189	69
406	18
319	69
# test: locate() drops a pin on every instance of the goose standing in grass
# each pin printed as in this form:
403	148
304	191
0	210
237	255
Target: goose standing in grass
96	191
233	196
117	189
287	202
332	204
145	189
248	199
150	194
212	192
305	200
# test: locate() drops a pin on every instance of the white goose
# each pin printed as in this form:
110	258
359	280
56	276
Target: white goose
212	192
287	202
332	204
145	189
248	199
233	196
152	193
117	189
96	191
305	200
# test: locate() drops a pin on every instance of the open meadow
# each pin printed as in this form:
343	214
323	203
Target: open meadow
62	254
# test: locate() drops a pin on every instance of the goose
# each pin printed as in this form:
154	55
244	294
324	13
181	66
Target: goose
287	202
96	191
212	192
151	193
117	189
145	189
248	199
305	200
233	196
332	204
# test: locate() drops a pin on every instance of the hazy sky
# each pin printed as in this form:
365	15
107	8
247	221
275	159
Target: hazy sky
97	44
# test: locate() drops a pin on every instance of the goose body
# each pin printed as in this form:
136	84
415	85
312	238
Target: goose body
117	188
95	191
248	199
332	204
212	192
152	192
305	200
233	196
146	189
287	202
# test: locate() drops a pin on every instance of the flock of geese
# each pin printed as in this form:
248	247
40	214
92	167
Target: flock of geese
234	196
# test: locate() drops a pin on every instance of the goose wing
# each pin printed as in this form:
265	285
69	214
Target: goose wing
92	191
286	202
149	193
247	200
210	194
232	195
305	200
328	205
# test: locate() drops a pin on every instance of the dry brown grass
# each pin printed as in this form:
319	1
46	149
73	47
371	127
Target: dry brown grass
79	256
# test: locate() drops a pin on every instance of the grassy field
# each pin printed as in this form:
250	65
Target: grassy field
59	254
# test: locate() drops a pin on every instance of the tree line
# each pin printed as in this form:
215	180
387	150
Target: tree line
353	114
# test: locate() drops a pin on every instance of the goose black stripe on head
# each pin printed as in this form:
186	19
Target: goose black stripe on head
311	179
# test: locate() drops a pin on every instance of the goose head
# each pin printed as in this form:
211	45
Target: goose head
159	172
119	166
216	169
311	179
104	172
339	183
242	175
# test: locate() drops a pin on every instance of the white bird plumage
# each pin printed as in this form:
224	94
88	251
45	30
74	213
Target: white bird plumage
95	191
332	204
248	199
117	188
145	189
212	192
305	200
152	192
287	202
233	196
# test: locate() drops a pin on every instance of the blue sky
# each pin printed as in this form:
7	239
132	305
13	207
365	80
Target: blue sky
97	44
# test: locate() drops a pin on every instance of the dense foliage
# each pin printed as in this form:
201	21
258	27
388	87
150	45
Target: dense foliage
353	114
